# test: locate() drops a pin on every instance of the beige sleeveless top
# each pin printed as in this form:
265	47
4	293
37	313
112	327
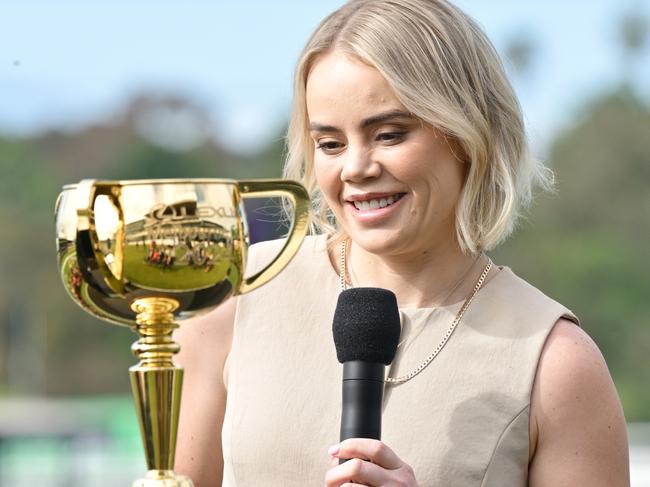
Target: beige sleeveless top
462	422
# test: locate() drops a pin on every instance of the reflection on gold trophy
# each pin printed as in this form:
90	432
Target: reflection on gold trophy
148	254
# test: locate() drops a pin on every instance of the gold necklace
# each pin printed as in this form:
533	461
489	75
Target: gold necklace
404	378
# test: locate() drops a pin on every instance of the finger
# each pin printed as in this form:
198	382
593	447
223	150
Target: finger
358	471
368	449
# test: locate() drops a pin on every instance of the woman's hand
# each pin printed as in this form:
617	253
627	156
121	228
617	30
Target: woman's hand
381	467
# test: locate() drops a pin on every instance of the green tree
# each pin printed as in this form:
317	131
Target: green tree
587	245
47	343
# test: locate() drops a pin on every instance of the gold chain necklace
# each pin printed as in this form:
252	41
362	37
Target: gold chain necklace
404	378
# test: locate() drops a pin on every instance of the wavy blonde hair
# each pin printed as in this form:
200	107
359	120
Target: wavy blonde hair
446	72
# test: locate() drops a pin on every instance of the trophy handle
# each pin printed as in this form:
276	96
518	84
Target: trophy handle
88	253
299	199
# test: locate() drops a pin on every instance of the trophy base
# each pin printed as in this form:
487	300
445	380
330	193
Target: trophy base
163	478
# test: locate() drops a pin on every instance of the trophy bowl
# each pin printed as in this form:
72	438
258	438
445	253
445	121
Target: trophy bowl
149	254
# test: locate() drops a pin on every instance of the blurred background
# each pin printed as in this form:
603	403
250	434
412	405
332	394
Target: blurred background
202	89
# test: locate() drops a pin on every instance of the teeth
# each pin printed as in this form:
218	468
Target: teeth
376	203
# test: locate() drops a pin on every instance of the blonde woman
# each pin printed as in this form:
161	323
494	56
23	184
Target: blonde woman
410	139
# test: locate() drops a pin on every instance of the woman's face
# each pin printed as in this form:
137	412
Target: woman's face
392	181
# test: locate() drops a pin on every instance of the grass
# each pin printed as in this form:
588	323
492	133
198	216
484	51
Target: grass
181	276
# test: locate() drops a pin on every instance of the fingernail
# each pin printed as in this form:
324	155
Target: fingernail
334	449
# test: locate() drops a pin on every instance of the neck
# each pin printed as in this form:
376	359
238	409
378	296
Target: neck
432	278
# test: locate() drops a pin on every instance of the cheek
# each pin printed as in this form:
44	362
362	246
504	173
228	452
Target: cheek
410	161
456	175
327	179
432	175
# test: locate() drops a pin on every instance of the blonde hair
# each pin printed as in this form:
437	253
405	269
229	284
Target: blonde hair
446	72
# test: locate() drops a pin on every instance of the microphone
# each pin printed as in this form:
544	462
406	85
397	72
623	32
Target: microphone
366	331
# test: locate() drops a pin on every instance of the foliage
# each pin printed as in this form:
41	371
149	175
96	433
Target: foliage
586	246
47	344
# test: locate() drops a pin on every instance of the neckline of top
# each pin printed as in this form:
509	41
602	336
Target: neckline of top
333	273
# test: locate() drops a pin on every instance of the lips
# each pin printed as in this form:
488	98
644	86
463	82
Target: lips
374	202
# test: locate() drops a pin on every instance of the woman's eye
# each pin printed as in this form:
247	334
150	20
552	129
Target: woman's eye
390	137
328	146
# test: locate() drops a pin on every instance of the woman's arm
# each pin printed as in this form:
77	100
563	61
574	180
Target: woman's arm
205	344
578	431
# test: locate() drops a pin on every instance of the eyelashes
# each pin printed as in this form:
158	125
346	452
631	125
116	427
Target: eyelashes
325	146
390	136
384	138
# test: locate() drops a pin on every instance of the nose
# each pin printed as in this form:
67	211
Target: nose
359	164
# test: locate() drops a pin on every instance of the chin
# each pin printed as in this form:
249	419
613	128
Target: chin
380	241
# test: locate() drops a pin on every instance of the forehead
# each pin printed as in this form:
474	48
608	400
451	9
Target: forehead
340	84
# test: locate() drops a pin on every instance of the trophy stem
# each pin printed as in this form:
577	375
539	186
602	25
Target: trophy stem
156	383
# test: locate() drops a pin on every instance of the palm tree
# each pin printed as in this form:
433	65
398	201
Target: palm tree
634	31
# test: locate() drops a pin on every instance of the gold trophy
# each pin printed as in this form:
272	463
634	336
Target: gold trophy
150	253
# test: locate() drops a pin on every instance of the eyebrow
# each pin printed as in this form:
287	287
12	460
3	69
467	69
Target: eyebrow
365	123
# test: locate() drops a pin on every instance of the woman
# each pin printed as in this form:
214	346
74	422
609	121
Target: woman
407	134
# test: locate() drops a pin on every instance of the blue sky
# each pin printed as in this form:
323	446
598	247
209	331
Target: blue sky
69	62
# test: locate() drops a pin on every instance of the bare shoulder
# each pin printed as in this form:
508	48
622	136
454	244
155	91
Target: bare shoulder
578	431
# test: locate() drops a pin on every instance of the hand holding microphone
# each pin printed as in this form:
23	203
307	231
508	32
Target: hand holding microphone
366	331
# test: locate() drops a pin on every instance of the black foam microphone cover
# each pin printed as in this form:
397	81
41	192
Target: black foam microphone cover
366	325
366	332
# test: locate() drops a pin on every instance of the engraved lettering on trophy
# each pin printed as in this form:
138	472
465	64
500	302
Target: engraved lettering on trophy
185	212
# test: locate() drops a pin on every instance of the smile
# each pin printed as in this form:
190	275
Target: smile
376	203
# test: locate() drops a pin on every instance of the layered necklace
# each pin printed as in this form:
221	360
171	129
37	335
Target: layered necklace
343	277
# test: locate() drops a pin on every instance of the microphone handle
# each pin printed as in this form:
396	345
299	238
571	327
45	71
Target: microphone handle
363	392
